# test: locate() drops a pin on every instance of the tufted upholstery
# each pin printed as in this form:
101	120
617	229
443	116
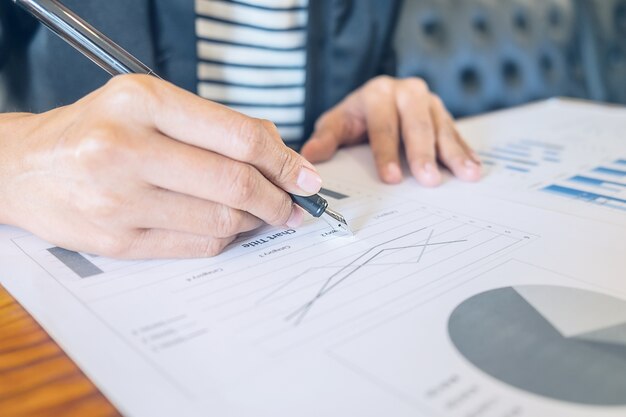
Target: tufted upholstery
481	55
608	22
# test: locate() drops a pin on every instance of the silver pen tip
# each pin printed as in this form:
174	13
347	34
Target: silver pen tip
337	222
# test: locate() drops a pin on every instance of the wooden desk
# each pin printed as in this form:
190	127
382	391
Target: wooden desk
36	377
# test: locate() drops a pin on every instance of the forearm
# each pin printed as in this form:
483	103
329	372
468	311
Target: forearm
13	130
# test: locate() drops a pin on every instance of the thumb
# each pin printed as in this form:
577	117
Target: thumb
329	134
320	147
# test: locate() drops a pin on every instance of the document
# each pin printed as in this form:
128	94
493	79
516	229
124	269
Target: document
503	298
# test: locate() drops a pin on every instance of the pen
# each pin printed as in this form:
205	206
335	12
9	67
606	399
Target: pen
115	60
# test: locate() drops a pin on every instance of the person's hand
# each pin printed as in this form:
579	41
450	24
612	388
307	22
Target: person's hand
142	169
395	114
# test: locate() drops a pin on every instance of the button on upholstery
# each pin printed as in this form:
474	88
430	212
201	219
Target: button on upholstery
485	54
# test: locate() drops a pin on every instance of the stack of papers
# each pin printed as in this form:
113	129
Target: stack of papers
503	298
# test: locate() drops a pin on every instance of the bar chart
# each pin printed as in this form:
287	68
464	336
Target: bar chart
604	185
73	266
522	156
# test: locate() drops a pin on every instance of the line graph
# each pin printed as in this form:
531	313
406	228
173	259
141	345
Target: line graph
320	286
341	289
341	274
367	258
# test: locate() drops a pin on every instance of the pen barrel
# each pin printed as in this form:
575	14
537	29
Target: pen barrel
84	37
315	205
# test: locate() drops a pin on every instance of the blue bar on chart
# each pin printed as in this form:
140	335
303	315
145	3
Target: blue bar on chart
610	171
511	151
604	185
586	196
516	168
522	156
492	155
609	185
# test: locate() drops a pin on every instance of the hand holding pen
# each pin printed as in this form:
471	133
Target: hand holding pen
140	168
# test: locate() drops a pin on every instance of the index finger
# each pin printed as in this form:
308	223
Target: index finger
190	119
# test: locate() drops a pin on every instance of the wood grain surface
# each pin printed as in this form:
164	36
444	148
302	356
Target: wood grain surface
36	377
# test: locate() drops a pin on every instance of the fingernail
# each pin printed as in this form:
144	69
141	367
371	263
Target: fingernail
428	174
472	170
296	218
471	165
393	173
309	181
475	158
430	171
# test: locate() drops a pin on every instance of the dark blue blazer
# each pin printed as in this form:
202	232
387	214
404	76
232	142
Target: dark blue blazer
348	43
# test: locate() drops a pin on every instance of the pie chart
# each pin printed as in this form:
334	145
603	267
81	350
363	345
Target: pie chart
562	343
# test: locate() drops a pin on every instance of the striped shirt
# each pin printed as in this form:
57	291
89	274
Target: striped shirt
252	57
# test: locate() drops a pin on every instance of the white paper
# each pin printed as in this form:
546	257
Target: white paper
305	322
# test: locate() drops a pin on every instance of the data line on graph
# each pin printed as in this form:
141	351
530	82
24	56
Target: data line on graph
348	270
